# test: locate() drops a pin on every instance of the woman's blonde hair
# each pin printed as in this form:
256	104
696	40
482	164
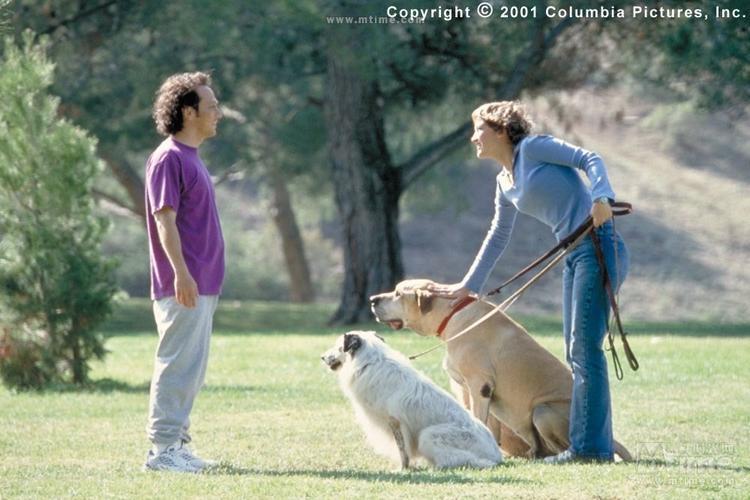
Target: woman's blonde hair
505	115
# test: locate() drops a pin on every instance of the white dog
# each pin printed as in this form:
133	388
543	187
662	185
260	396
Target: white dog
403	413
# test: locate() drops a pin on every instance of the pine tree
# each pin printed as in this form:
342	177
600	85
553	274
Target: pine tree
56	285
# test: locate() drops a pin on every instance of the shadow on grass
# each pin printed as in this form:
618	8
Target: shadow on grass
104	385
548	326
134	316
691	329
412	476
108	385
671	464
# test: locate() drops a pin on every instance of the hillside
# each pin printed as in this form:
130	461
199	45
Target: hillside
687	176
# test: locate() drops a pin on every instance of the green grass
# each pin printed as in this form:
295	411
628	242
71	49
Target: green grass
281	427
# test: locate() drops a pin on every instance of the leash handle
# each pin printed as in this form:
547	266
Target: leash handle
615	358
619	208
632	361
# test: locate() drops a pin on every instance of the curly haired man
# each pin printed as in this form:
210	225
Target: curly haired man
186	250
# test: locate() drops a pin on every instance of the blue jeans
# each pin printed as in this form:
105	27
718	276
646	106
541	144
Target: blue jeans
585	316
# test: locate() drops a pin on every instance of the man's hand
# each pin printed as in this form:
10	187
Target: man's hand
185	289
601	212
456	291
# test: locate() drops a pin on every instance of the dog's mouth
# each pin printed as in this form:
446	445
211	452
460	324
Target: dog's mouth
331	362
395	324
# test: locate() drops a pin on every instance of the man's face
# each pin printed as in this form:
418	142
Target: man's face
209	113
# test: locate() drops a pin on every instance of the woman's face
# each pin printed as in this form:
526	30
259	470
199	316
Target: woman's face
488	141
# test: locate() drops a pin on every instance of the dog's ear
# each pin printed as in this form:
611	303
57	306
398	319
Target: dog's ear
352	342
424	301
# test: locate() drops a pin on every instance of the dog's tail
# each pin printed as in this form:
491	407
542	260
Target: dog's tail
622	452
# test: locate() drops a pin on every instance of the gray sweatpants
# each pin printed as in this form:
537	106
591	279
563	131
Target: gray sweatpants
179	366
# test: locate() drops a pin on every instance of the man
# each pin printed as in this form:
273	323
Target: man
186	249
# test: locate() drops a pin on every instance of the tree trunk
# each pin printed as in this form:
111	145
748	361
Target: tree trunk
539	44
366	184
131	181
300	284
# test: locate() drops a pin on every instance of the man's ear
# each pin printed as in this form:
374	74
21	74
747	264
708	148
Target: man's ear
424	301
188	111
352	342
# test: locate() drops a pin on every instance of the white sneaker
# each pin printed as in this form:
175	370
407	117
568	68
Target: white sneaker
176	458
184	452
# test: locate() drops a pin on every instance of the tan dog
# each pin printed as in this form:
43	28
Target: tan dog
497	369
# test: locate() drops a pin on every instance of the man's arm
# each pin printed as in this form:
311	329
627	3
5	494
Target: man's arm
185	287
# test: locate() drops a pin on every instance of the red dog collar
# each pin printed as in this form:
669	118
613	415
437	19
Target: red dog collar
465	302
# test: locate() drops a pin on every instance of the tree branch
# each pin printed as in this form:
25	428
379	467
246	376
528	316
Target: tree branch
539	46
429	156
77	17
115	204
130	180
234	173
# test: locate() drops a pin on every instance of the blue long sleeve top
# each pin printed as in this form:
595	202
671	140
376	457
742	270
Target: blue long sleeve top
545	187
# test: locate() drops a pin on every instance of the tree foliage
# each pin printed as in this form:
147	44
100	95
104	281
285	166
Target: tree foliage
111	57
56	286
272	63
707	61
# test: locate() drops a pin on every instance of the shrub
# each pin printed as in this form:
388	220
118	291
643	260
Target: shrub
56	286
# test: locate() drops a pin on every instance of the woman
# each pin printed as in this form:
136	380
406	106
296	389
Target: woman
539	178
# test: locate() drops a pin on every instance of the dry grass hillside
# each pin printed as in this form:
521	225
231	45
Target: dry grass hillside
688	176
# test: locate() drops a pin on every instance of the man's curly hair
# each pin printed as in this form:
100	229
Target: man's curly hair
174	94
505	115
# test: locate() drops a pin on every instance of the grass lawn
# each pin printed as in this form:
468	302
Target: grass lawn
281	427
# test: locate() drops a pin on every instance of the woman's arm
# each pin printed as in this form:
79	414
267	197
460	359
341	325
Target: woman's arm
494	244
549	149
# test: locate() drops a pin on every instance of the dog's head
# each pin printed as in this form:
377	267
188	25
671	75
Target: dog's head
349	346
411	304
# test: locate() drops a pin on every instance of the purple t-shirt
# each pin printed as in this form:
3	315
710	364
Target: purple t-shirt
177	178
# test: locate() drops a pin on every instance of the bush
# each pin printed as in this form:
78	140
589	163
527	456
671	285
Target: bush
56	286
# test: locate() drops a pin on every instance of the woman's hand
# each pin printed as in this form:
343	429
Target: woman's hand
456	291
601	212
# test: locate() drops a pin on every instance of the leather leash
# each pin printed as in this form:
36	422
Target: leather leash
632	361
567	244
618	208
510	300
